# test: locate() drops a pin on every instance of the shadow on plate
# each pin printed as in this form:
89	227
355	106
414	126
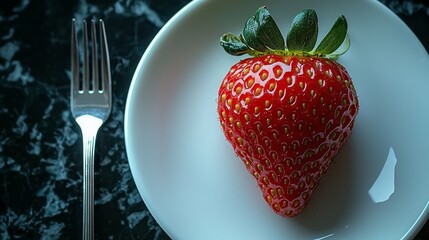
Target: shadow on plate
344	187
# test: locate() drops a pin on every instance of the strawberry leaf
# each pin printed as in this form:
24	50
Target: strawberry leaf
262	36
250	35
233	44
302	35
268	32
261	32
335	37
340	51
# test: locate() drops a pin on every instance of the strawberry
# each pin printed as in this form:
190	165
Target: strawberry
289	107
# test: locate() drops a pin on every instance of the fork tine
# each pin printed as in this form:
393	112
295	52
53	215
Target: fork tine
105	62
74	60
85	71
95	78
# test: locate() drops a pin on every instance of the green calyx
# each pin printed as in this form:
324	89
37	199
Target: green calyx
261	36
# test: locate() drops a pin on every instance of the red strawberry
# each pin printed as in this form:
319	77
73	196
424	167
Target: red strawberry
287	111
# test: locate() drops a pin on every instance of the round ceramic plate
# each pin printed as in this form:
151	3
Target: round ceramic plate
196	187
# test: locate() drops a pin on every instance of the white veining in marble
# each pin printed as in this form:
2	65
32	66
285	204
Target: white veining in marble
22	6
51	231
35	143
136	217
14	69
406	7
8	50
125	8
46	165
137	8
9	34
54	204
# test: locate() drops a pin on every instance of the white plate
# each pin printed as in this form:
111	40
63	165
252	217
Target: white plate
195	186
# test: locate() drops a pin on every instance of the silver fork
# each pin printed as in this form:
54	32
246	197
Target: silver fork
91	103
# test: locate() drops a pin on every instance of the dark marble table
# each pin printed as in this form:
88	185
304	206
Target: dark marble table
40	144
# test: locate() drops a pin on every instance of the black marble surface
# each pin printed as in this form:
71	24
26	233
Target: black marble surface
40	143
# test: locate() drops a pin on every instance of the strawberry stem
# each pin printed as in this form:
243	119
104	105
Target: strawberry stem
261	36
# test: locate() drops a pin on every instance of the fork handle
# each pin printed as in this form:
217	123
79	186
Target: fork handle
89	126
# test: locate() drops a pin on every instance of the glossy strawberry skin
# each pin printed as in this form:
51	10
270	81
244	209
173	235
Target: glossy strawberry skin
286	117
